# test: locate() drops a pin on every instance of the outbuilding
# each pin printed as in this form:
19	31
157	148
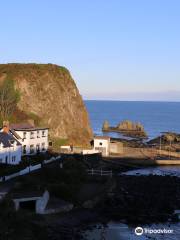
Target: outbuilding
102	144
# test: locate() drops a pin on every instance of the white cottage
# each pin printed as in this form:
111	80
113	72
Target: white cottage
33	139
102	144
10	148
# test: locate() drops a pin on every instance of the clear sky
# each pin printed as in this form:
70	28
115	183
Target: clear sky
115	49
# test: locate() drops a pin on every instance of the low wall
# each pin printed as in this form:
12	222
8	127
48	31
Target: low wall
146	153
35	167
89	151
24	171
49	161
28	169
116	148
167	162
12	176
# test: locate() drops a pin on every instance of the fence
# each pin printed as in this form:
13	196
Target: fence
28	169
99	172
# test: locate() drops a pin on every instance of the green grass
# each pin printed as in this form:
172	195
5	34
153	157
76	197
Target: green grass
64	70
58	142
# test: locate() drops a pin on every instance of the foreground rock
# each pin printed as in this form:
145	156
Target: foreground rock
127	128
49	94
143	199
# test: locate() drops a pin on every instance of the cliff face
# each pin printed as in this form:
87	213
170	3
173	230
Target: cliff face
49	92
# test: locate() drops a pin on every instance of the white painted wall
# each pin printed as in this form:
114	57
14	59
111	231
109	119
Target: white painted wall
89	151
102	143
37	140
10	155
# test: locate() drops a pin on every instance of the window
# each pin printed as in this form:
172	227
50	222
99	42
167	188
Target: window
38	136
6	159
32	135
31	149
43	147
37	148
13	158
24	135
24	149
100	144
43	133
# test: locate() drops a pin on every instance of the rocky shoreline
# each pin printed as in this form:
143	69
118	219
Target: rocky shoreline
133	200
143	199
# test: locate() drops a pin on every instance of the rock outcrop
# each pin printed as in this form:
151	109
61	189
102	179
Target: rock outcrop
49	92
130	126
127	128
105	125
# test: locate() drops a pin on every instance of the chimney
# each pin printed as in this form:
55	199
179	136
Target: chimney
6	126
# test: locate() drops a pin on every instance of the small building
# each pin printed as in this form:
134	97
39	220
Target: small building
116	147
33	139
102	144
10	147
31	200
39	201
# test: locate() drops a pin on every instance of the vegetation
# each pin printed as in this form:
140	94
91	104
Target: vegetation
9	98
37	120
61	183
19	225
64	69
65	183
58	142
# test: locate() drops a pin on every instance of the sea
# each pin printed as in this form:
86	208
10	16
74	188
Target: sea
157	118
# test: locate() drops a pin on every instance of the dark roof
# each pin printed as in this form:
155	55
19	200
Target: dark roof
25	127
6	138
30	129
15	134
20	125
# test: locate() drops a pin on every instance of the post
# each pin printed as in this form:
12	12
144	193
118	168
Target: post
101	171
92	171
160	147
169	149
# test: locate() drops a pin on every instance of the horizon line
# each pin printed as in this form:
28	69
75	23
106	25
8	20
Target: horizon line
119	100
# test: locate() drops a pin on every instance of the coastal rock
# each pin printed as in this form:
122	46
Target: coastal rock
105	125
130	126
127	128
49	93
171	137
166	139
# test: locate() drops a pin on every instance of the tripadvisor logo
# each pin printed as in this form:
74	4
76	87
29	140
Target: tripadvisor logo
138	231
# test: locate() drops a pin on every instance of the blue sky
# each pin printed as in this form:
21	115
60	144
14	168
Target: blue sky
127	50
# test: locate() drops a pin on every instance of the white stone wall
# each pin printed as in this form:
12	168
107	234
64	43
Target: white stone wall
42	202
38	139
10	155
102	144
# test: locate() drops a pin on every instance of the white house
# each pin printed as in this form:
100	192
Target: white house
10	148
102	144
33	139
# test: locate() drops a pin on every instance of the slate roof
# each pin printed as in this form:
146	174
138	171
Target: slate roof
25	127
15	134
6	138
21	126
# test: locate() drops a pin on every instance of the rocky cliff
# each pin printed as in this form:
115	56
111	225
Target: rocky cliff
49	93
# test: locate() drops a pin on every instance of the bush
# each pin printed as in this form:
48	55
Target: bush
9	97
